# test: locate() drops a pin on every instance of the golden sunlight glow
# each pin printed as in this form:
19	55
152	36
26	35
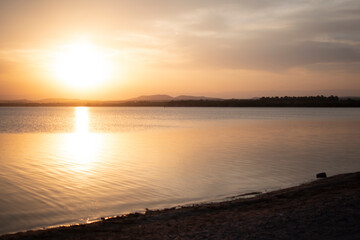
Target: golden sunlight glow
82	120
83	146
81	65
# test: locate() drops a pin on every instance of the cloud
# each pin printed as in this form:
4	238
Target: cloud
274	35
260	53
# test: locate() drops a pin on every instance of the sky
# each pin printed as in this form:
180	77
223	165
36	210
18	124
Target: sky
228	48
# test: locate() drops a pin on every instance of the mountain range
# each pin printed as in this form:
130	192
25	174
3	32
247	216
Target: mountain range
162	97
144	98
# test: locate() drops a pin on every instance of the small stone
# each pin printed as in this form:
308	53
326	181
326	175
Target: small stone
321	175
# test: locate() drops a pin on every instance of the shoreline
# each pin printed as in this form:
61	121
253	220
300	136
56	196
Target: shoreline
308	101
323	209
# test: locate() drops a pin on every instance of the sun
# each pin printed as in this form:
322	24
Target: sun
81	65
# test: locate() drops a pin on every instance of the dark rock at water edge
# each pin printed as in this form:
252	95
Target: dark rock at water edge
321	175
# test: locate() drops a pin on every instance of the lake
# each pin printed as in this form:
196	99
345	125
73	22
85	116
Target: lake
67	165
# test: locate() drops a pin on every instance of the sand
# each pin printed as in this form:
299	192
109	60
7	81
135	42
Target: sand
324	209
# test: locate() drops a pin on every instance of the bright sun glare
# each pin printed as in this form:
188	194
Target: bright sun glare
82	146
82	65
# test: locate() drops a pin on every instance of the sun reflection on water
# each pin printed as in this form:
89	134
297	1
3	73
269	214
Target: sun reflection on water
83	146
82	120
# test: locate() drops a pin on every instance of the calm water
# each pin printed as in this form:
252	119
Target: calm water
63	165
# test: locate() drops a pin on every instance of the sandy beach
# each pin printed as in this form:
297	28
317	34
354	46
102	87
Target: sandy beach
323	209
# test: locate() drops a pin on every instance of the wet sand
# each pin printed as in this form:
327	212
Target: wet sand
324	209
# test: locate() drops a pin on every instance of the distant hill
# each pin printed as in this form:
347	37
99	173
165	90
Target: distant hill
152	98
75	101
186	97
166	98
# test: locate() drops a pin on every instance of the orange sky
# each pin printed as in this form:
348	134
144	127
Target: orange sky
230	48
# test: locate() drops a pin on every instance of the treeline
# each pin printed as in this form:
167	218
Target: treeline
317	101
313	101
